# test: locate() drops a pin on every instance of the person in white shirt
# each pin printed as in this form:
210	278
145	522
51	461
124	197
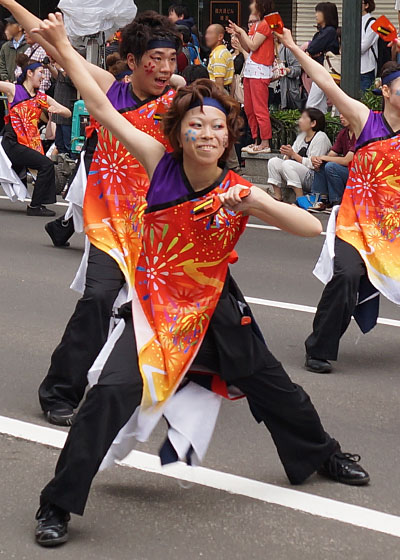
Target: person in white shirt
297	164
369	45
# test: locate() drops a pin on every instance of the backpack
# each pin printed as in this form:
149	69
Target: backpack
192	54
384	53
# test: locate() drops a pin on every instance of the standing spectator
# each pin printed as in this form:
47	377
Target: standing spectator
326	39
290	84
297	163
369	46
3	36
257	74
220	66
183	58
36	52
332	171
221	71
179	14
66	95
10	49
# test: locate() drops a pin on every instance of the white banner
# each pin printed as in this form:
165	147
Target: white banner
88	17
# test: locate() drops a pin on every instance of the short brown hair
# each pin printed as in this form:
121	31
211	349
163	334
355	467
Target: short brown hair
264	7
371	6
188	96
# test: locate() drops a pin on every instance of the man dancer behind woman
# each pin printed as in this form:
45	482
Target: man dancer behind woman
117	185
182	281
363	259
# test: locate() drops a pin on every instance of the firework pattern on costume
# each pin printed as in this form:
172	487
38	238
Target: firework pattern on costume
115	198
24	118
179	280
369	217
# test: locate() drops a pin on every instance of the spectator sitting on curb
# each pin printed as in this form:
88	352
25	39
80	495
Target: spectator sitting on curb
294	169
332	171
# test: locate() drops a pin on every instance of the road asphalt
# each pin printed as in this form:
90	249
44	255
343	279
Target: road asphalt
138	515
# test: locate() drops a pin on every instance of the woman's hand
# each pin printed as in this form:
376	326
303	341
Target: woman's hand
287	151
233	28
316	161
236	43
53	31
286	38
234	200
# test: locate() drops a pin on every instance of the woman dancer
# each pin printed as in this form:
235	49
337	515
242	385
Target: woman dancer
21	139
363	258
182	281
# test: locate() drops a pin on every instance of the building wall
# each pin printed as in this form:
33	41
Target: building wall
304	16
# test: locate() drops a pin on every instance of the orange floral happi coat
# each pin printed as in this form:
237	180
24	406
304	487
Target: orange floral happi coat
180	276
115	197
369	216
24	117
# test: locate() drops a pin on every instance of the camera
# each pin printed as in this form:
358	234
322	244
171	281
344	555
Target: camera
46	60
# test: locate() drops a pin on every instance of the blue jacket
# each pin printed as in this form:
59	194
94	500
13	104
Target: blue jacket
324	40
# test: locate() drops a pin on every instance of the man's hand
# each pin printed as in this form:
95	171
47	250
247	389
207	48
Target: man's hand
53	31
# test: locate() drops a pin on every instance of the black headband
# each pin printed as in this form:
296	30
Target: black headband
161	44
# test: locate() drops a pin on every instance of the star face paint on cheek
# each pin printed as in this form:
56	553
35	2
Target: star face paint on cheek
397	92
191	135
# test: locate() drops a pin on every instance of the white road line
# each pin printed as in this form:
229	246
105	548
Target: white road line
2	197
307	309
293	499
271	228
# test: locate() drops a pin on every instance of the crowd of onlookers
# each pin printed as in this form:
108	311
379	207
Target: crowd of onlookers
252	66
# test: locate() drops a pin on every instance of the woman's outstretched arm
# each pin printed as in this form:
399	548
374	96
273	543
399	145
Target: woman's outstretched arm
261	205
143	147
353	111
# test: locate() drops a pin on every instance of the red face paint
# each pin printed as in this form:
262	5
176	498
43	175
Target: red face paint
149	67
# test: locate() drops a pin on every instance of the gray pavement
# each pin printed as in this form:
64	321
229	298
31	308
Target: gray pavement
138	515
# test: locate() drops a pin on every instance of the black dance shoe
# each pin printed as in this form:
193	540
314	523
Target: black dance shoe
52	527
62	416
60	231
345	468
40	211
317	366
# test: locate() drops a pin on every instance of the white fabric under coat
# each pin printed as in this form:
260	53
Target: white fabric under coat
11	184
191	413
76	196
324	268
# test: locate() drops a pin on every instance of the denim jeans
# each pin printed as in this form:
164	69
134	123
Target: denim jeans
63	138
367	80
331	181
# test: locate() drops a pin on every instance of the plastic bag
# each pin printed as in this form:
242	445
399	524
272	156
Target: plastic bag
88	17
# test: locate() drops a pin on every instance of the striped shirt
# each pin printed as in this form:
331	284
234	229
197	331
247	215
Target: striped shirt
221	65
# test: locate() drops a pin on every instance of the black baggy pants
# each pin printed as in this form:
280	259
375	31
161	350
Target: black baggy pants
85	334
337	304
22	157
285	408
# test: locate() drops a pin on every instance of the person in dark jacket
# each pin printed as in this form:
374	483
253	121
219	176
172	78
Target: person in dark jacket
11	49
325	40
